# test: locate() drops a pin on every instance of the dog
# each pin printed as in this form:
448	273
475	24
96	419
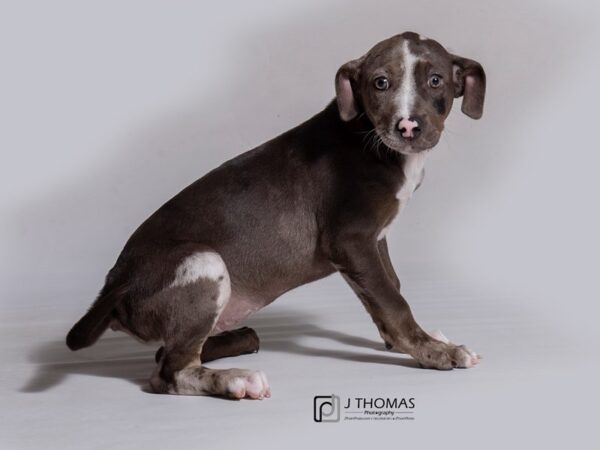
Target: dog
315	200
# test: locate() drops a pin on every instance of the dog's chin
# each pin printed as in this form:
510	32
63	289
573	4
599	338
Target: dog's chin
406	147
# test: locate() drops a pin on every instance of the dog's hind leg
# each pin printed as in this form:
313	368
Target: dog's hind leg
226	344
189	308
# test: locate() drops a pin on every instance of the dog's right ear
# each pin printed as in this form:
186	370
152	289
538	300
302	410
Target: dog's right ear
346	82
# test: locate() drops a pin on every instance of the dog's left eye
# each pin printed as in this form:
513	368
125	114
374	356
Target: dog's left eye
381	83
435	81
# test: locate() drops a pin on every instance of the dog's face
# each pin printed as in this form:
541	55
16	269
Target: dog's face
406	85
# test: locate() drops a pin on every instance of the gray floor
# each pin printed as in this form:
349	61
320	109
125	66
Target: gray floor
534	385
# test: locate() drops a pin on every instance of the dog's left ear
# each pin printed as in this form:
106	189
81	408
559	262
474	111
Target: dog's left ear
469	82
346	89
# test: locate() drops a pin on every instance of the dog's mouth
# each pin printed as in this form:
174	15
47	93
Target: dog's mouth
404	146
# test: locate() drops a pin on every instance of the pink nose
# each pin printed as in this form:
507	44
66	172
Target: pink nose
409	128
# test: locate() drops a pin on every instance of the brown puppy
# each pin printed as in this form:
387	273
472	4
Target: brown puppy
315	200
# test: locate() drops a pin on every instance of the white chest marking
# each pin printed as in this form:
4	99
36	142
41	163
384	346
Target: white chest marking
413	175
408	89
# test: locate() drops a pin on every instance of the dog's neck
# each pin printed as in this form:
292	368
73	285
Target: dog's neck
360	132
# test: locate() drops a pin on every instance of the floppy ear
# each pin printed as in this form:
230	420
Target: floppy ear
469	82
346	81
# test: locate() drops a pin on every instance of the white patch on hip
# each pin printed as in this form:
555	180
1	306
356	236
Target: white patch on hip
200	265
408	88
224	292
205	265
413	175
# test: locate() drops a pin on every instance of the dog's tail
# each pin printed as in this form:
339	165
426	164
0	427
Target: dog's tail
95	322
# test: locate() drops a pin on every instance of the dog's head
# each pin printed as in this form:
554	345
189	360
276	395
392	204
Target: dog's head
406	85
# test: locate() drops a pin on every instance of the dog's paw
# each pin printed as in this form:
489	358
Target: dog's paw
465	358
446	356
248	384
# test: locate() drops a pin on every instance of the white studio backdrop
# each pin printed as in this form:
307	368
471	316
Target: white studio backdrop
108	109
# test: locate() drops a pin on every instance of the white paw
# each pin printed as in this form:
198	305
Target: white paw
464	357
250	384
469	358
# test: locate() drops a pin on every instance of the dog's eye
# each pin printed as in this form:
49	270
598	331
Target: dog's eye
382	83
435	81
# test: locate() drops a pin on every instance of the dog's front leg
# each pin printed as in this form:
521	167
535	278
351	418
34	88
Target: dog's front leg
361	263
387	262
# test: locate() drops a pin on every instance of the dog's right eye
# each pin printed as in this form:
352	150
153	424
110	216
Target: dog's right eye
381	83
